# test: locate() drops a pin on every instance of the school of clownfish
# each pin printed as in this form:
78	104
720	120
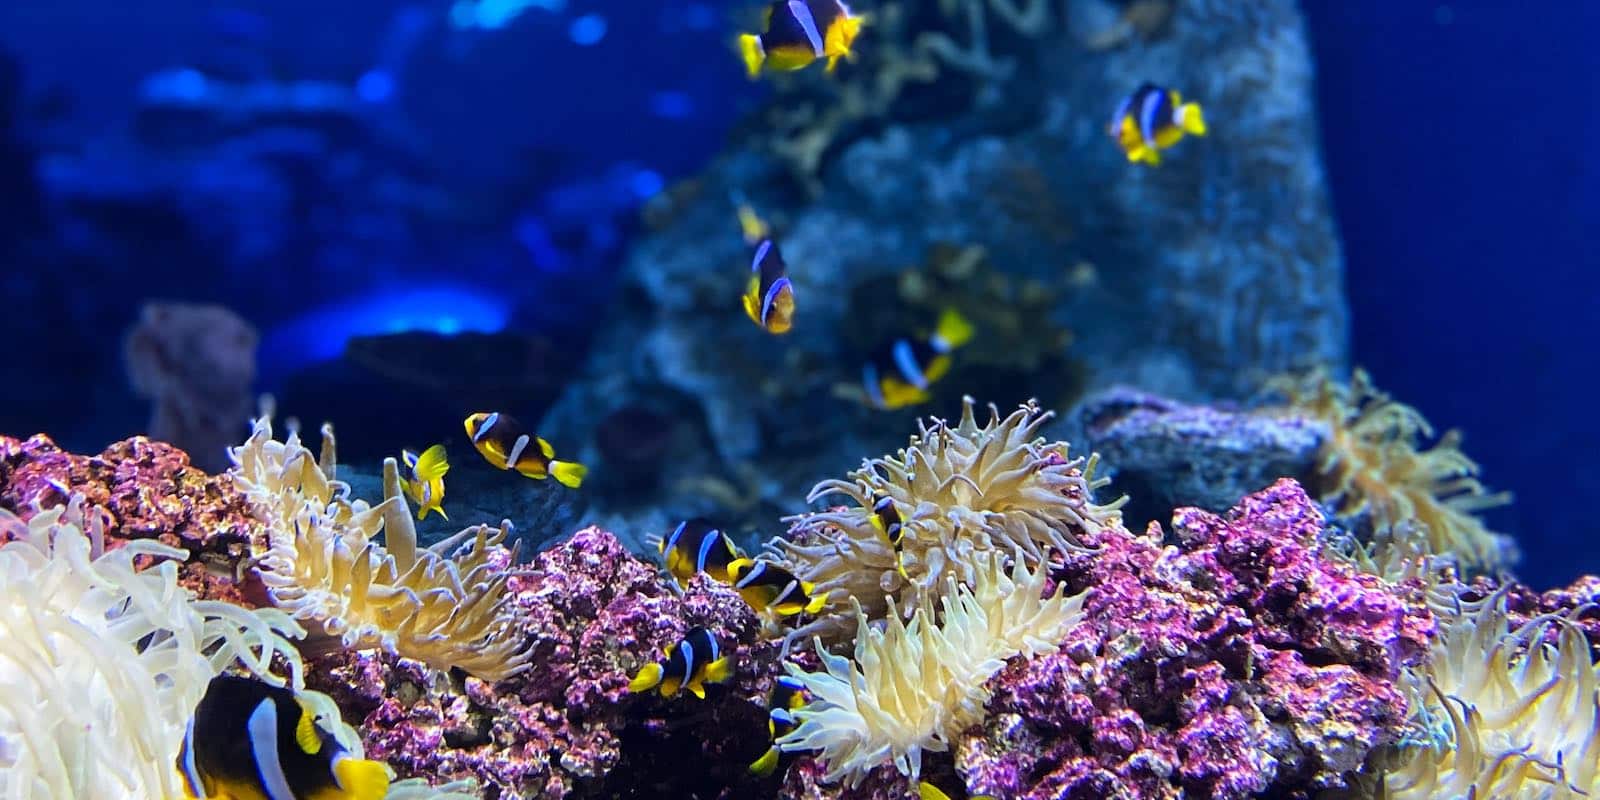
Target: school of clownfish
248	739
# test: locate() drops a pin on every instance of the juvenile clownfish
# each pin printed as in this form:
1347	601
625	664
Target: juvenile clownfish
424	479
899	374
1153	119
799	32
927	791
698	546
788	694
691	663
250	740
507	445
769	297
769	587
886	519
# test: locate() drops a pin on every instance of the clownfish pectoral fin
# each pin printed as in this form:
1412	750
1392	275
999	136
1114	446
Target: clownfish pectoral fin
305	732
361	778
568	473
647	679
1191	119
432	464
753	54
764	765
698	689
719	670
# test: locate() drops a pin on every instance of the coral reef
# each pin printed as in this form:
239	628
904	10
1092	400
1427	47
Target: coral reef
1376	467
567	727
1516	709
962	490
445	607
1163	454
195	364
103	662
147	490
1218	267
1236	661
917	686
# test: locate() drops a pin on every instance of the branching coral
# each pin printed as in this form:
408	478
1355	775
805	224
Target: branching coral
915	686
101	663
1375	464
321	564
962	491
1522	714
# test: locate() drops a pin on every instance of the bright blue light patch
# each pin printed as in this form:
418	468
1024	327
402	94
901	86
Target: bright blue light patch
646	184
671	104
376	86
587	30
188	84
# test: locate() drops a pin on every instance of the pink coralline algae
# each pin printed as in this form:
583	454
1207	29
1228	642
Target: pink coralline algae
150	491
1236	660
568	727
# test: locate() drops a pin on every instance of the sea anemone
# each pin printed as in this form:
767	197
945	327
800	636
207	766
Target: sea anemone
102	663
1517	711
1375	464
322	565
915	686
962	492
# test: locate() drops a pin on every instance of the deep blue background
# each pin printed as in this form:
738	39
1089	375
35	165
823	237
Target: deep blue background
1460	143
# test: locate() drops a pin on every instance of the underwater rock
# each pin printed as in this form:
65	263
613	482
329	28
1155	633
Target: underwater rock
1217	268
196	364
1164	454
1242	660
150	491
568	727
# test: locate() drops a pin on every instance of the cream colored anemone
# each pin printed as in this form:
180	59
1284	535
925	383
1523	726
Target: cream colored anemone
963	492
322	565
1519	718
102	663
915	686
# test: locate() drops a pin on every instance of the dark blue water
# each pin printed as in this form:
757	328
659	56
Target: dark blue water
1460	144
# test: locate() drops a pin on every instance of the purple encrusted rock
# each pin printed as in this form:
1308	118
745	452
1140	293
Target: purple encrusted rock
1237	659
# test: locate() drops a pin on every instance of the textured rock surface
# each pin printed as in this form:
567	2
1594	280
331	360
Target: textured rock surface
1238	661
1164	454
1218	267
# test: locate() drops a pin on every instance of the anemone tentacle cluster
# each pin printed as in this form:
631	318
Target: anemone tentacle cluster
1375	464
442	605
915	686
1519	710
963	491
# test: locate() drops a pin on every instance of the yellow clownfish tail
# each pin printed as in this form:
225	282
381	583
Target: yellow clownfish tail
1191	119
362	779
954	330
568	473
763	766
753	53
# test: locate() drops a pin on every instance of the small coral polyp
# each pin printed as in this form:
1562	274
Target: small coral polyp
1519	713
963	491
321	564
915	687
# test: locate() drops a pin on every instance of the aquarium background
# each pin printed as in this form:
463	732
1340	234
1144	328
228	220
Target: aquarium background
489	170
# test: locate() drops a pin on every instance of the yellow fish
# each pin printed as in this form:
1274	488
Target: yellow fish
424	479
788	694
690	664
799	32
769	296
698	546
886	519
249	740
1153	119
769	587
899	374
505	444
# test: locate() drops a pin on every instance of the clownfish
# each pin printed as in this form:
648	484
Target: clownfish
691	663
1153	119
698	546
507	445
885	518
927	791
249	740
899	374
769	587
788	694
799	32
769	297
424	479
